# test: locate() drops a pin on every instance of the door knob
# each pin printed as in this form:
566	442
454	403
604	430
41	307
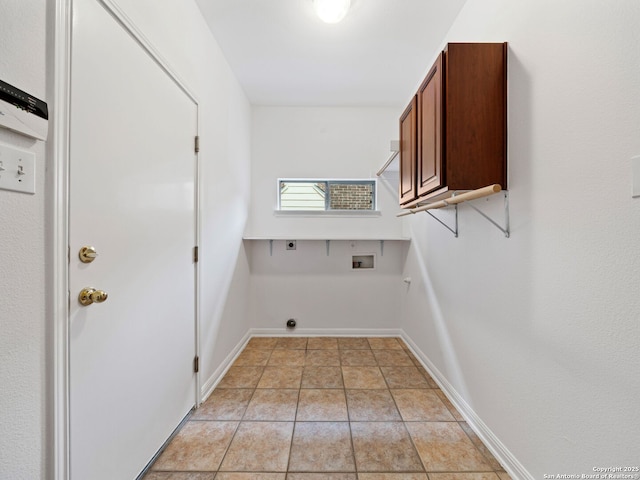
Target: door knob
87	254
91	295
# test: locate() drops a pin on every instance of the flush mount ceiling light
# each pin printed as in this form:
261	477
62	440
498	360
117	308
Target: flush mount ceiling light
331	11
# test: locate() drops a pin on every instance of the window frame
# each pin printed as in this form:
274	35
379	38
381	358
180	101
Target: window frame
328	182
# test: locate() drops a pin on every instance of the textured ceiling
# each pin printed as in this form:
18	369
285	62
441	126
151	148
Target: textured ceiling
282	54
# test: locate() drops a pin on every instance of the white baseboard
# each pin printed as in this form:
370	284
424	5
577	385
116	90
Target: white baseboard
512	466
208	387
326	332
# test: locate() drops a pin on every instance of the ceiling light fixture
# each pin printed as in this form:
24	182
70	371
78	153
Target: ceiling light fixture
331	11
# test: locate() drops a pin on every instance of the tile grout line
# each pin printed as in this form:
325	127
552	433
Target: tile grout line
295	420
353	447
350	420
255	388
404	423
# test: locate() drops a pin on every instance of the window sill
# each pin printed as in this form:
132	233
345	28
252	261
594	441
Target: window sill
327	213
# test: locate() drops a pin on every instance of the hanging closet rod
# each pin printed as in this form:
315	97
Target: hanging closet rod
463	197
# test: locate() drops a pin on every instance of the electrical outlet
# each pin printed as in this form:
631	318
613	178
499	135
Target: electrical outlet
291	244
17	170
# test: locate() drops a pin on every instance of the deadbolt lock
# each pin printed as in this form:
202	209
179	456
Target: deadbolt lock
91	295
87	254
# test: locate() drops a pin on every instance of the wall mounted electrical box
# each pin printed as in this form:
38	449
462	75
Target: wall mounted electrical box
23	113
363	261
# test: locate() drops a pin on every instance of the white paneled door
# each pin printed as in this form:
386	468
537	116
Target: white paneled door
132	198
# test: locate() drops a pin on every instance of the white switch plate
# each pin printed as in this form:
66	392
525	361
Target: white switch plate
635	171
17	170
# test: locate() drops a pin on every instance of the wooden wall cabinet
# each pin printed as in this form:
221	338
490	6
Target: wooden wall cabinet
459	122
408	151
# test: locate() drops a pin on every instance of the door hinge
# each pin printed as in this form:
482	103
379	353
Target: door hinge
69	254
197	144
195	254
196	364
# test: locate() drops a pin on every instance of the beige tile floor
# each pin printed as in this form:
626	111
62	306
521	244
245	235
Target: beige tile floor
322	408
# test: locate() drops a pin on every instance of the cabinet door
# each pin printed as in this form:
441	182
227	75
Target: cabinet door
408	130
430	154
475	95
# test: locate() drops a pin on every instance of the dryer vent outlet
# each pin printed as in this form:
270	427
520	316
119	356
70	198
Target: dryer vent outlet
291	323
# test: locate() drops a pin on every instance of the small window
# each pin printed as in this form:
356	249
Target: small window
326	195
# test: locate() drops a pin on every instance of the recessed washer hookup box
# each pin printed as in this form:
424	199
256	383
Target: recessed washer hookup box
23	113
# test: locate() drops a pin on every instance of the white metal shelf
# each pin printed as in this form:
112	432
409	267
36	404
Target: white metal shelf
328	240
327	237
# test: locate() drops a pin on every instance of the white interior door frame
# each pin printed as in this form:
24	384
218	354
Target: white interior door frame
58	277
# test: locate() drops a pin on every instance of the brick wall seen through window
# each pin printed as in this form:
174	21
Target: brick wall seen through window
323	195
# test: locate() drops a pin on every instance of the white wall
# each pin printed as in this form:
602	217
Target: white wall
323	293
320	291
308	142
539	333
177	30
22	259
